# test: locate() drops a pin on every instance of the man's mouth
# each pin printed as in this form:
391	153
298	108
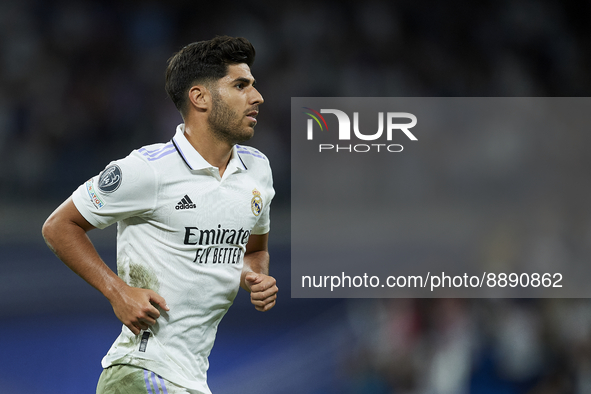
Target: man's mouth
252	115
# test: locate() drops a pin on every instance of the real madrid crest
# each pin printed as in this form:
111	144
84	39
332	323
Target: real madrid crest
256	203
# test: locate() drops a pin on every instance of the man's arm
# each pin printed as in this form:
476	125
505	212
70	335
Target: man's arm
65	234
255	273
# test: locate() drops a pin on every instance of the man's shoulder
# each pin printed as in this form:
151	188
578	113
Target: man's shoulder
146	162
154	152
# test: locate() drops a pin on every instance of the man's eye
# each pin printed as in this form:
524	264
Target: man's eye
240	86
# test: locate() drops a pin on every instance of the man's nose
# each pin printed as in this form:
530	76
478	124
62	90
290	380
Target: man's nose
257	98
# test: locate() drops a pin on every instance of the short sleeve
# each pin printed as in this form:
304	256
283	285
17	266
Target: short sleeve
263	225
125	188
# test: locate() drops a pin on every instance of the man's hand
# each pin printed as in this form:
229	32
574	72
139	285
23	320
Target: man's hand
263	290
65	233
136	308
254	278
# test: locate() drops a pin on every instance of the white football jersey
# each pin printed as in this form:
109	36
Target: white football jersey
182	232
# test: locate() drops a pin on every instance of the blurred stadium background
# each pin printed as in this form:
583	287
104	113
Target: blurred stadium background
81	84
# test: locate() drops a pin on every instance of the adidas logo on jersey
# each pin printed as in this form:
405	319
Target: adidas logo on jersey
185	203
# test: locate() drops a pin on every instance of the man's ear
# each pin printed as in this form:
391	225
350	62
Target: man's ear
200	98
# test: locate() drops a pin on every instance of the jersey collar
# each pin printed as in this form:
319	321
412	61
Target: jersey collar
194	160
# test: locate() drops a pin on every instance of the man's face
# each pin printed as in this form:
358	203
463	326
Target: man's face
235	103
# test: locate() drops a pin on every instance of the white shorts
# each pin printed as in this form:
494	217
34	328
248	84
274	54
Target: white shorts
129	379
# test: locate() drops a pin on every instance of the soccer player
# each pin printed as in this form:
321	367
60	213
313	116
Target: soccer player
193	224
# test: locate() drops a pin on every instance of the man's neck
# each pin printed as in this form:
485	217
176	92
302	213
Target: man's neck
215	152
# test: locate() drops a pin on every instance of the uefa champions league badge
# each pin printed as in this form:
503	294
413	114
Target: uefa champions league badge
256	203
110	179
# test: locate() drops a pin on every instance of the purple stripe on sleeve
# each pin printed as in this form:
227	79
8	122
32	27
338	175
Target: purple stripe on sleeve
147	380
158	152
161	155
162	384
146	152
246	152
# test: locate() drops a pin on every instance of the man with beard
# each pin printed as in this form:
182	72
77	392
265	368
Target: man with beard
193	224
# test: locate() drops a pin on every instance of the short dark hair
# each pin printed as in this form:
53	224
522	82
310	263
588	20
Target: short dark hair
204	62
